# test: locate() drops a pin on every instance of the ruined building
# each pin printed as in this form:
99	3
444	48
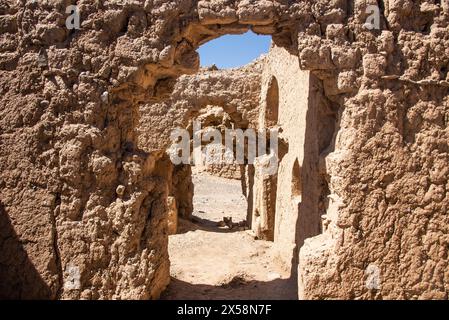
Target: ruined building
87	189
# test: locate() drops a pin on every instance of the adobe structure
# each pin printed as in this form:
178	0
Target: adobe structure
362	186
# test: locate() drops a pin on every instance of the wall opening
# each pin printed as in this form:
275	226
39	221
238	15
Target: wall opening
272	100
233	51
296	182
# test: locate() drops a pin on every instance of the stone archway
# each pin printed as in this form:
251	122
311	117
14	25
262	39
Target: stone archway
272	100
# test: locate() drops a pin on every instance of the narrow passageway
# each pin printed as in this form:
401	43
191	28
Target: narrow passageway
210	260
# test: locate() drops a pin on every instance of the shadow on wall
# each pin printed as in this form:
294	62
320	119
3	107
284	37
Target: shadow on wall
236	289
18	277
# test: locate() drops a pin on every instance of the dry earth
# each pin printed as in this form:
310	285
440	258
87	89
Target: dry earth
212	262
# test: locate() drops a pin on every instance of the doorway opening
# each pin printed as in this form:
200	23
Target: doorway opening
222	217
234	51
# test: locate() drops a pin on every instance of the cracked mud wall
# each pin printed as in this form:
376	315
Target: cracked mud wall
89	206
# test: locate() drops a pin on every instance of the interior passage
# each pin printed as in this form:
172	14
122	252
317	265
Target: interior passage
215	256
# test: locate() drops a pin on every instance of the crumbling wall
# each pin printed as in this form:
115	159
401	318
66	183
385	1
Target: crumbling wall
212	97
221	99
286	204
90	208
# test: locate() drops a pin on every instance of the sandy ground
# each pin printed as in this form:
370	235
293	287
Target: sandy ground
212	262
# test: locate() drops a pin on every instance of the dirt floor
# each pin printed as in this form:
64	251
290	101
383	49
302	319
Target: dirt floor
209	261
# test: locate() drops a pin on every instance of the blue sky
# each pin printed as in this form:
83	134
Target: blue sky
233	51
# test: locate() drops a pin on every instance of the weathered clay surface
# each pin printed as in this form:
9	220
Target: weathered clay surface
84	210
